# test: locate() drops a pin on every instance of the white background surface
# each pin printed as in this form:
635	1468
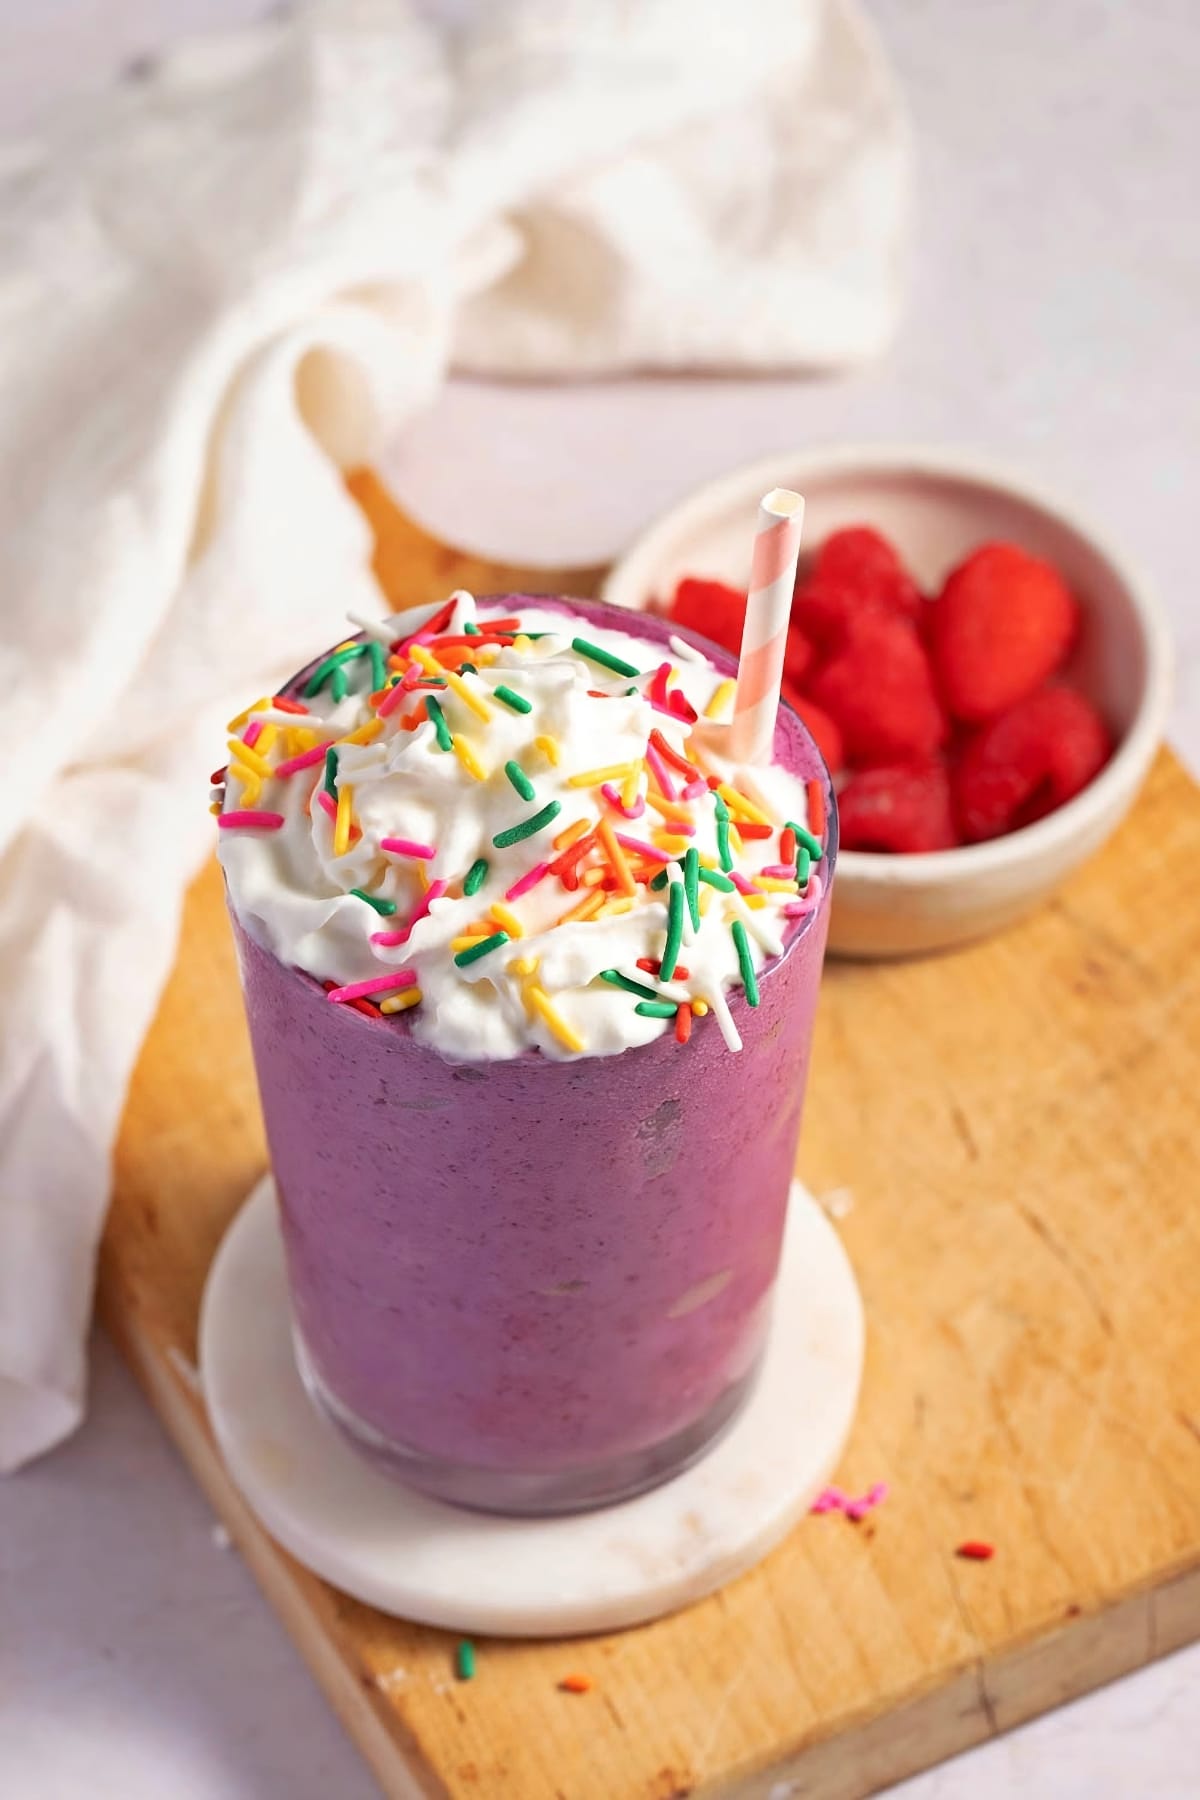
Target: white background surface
1052	322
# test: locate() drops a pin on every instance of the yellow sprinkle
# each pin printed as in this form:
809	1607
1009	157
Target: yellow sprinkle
467	757
402	1001
215	807
266	739
722	694
467	939
521	642
633	782
622	904
566	1035
587	909
756	901
507	920
341	825
364	734
571	834
467	695
669	810
773	884
593	777
251	784
593	877
735	837
243	718
666	840
549	748
252	759
524	965
699	1007
346	644
423	878
737	802
707	861
706	897
298	739
485	657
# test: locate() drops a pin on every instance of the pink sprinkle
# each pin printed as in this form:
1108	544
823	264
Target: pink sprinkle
378	984
261	821
407	847
614	799
328	802
527	881
659	769
426	635
832	1499
394	697
389	939
252	733
740	883
657	691
680	707
433	892
641	848
780	871
315	755
797	909
694	789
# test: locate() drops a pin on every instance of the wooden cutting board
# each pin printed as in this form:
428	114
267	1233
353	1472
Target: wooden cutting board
1016	1124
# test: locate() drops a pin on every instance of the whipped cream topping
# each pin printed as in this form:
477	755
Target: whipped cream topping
496	856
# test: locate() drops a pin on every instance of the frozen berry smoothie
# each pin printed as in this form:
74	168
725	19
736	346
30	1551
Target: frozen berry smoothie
530	966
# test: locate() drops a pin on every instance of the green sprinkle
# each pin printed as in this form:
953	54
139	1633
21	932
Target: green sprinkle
378	665
803	864
470	630
520	780
467	669
386	907
528	827
518	702
660	881
605	658
338	685
656	1009
631	987
674	932
691	883
465	1660
723	850
805	837
476	876
482	949
716	880
745	961
432	681
321	674
445	741
331	759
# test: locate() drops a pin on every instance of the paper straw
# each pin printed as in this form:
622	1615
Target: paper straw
768	609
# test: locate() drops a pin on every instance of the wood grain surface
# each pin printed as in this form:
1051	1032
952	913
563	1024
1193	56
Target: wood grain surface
1016	1124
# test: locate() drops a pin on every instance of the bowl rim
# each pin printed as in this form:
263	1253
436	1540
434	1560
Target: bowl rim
1129	760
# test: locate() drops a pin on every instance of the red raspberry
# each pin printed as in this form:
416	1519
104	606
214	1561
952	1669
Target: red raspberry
906	809
863	563
799	656
709	607
821	728
879	690
1002	624
1034	758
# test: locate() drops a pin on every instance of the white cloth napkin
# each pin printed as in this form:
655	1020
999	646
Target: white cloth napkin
221	285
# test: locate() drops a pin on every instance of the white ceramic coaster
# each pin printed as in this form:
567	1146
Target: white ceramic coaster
473	1572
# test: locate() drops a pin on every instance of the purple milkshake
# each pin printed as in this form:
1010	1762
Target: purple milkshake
525	1280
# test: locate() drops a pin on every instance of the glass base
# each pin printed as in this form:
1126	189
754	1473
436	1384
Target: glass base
539	1494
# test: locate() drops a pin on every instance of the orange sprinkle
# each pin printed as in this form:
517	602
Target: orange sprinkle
816	809
576	1684
616	857
571	834
588	908
683	1023
669	810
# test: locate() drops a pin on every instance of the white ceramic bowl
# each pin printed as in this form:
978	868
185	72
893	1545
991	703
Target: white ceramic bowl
936	508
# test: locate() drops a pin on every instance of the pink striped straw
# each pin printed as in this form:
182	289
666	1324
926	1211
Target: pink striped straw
407	847
613	797
306	761
527	881
641	848
261	821
764	635
378	984
659	770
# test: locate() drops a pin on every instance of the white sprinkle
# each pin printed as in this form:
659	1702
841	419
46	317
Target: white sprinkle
384	631
220	1537
758	924
837	1203
688	652
720	1007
